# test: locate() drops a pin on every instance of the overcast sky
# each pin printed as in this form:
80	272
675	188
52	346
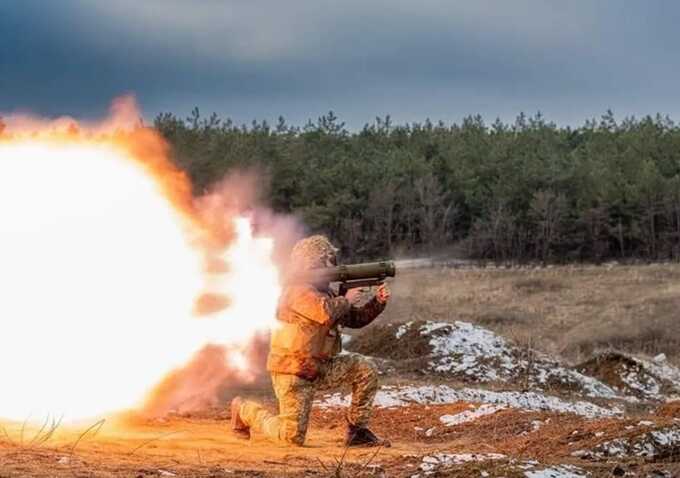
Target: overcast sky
246	59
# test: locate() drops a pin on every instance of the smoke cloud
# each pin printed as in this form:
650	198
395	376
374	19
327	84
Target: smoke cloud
218	371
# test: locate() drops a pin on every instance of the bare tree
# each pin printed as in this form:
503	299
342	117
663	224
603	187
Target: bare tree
435	211
548	210
381	212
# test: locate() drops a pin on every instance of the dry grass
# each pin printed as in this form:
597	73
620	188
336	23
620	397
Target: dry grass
570	310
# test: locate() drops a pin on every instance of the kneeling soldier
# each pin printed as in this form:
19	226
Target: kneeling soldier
305	355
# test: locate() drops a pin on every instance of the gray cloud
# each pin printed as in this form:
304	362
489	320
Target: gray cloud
247	59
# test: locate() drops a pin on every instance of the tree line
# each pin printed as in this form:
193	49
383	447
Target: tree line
525	191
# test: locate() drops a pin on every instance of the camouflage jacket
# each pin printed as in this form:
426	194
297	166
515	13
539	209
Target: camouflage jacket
308	330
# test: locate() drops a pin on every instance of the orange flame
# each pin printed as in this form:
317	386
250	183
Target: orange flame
104	257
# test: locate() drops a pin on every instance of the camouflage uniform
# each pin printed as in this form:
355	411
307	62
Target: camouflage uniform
305	352
296	394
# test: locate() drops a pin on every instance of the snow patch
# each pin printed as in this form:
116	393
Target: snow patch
560	471
647	445
433	462
476	354
639	378
470	415
392	396
463	348
664	372
403	329
441	462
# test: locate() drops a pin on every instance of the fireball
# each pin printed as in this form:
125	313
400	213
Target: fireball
100	271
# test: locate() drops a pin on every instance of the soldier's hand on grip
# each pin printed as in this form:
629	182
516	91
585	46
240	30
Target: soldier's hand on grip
383	293
353	296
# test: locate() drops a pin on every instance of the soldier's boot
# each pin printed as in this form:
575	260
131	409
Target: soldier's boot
362	436
238	426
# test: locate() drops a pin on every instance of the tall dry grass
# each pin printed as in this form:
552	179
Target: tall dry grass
568	310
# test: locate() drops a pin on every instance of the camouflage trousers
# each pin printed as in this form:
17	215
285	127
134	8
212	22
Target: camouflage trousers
295	396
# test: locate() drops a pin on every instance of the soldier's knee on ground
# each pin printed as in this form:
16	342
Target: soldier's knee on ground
249	412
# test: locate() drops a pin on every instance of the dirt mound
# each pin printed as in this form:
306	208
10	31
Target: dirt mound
635	377
410	345
470	353
670	409
659	445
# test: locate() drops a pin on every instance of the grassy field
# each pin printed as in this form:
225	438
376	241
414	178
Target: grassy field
571	311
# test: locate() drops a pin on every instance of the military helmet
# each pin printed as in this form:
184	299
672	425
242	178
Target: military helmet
313	252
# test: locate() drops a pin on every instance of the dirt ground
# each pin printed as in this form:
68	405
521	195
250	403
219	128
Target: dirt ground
567	311
203	447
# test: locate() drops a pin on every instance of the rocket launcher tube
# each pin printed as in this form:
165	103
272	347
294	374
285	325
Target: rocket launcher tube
351	276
